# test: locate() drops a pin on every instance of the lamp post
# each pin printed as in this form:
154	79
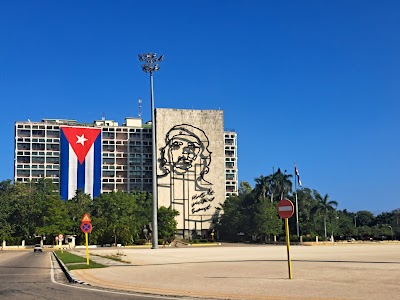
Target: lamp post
391	231
150	65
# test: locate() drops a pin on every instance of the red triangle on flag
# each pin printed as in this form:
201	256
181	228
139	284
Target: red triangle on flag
81	139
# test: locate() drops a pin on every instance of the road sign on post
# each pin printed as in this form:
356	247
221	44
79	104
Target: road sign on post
285	208
86	227
86	218
60	239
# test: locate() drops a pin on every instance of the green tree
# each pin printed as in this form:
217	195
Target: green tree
261	187
271	186
324	207
244	188
51	212
120	217
346	225
231	219
6	193
365	232
266	219
363	218
113	218
280	183
306	201
24	213
166	222
384	218
77	206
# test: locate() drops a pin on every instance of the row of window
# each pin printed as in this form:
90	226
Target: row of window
111	180
109	188
104	167
53	144
29	140
42	167
54	131
230	135
37	159
38	146
38	173
124	129
26	165
41	130
35	153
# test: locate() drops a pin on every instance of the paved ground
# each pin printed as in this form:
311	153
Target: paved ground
354	271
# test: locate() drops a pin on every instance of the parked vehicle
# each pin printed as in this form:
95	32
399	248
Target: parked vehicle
37	248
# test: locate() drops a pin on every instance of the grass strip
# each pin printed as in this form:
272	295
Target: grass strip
69	258
74	262
92	265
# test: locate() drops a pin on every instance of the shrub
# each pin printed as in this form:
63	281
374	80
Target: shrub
140	242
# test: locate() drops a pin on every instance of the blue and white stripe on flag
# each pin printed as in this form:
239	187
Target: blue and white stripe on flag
80	161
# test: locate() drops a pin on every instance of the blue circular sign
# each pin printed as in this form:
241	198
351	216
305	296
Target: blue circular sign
86	227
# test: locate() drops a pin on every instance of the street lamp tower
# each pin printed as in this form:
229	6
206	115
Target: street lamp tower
150	65
391	231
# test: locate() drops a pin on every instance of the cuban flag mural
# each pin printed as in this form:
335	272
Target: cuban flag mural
80	161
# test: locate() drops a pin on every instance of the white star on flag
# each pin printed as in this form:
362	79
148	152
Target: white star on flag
81	139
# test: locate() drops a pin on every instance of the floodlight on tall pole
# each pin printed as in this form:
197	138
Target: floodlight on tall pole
150	65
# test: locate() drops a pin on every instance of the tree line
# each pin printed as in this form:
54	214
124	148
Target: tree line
32	211
29	211
253	216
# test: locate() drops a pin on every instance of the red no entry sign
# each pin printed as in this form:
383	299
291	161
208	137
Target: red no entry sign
285	208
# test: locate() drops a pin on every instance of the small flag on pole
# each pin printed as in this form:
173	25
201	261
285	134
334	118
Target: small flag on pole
297	175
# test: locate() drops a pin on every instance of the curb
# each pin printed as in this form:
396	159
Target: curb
69	276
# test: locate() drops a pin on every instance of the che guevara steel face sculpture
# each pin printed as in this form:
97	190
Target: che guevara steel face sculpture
186	157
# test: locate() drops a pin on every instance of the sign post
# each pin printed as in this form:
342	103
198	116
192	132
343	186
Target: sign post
285	210
86	227
60	238
87	248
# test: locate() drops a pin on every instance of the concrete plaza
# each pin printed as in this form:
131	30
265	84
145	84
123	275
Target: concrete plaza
339	271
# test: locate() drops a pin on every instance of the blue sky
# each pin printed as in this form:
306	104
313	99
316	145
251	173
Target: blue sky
316	83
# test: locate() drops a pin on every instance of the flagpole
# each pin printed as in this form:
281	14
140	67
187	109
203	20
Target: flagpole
297	217
297	204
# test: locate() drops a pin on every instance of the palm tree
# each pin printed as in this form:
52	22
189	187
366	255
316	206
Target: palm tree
272	186
282	183
262	186
324	207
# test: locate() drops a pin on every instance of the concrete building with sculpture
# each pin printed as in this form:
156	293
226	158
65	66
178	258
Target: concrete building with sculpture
196	159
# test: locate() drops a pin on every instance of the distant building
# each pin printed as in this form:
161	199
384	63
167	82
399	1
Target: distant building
197	159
